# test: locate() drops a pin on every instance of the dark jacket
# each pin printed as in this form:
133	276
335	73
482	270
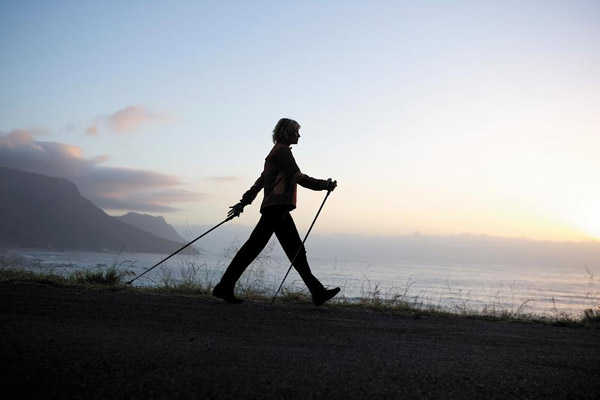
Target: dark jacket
279	179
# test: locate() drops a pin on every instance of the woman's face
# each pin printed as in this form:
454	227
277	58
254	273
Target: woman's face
294	136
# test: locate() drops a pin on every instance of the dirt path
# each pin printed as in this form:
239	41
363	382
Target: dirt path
65	342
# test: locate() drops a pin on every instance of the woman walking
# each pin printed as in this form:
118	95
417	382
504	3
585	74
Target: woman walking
279	180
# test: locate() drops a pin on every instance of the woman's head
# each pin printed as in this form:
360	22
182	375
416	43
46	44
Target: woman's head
286	131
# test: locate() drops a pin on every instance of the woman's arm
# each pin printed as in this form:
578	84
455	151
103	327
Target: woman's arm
247	198
313	183
287	163
251	193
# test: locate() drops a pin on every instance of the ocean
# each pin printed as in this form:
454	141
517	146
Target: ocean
459	287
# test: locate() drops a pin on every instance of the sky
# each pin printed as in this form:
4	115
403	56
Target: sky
437	117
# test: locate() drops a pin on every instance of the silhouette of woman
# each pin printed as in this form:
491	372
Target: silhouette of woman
279	180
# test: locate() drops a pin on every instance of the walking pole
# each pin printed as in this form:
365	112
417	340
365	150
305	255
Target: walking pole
190	243
300	248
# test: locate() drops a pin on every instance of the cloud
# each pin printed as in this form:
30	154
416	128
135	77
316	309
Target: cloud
221	179
158	201
108	203
111	188
15	138
92	130
127	120
178	195
19	150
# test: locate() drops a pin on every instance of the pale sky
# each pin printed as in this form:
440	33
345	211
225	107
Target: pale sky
440	117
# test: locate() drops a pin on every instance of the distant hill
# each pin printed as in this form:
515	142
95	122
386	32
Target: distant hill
37	211
154	225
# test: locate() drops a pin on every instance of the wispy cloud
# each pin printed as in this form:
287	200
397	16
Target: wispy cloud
111	188
127	120
153	201
16	138
92	130
222	179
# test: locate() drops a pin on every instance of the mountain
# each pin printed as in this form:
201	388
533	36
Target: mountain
154	225
38	211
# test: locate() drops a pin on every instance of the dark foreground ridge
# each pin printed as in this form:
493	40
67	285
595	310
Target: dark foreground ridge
77	342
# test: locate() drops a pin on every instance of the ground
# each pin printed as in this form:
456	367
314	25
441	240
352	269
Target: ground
76	342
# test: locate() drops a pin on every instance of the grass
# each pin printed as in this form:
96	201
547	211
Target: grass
111	276
197	280
16	268
592	316
192	282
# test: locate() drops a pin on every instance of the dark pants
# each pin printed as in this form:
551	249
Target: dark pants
279	221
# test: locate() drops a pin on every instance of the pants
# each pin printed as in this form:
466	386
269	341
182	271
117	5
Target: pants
279	221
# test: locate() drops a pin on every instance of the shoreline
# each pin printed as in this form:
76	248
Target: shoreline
473	293
115	278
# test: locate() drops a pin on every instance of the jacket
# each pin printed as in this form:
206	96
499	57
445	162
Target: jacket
279	180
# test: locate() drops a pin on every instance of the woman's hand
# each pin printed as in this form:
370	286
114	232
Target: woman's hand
331	185
236	210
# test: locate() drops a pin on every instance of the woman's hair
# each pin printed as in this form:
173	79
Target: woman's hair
284	128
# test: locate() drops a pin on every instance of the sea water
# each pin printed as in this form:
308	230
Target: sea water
536	289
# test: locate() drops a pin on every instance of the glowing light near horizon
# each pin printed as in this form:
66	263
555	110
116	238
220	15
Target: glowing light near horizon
586	217
591	226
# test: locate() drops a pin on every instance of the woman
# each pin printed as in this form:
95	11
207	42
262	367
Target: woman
279	179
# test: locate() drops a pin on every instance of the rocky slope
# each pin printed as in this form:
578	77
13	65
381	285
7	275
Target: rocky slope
38	211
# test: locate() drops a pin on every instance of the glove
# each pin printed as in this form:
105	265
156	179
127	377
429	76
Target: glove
236	210
331	185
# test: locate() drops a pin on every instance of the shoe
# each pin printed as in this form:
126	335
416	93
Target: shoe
226	294
326	294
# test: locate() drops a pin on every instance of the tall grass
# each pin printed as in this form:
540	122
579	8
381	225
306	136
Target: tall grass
110	276
18	268
199	278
